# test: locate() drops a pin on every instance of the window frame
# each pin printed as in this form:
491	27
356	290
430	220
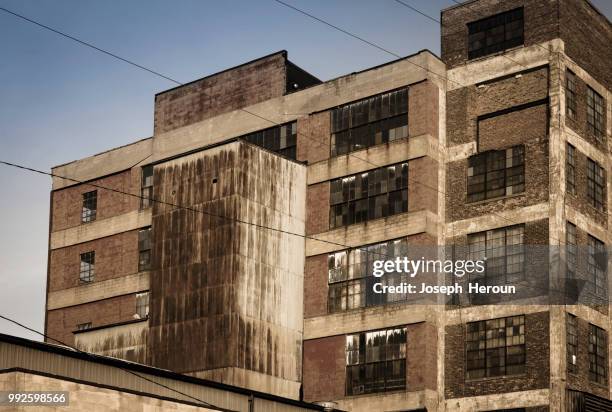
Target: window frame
597	276
571	105
83	326
596	114
87	273
477	252
596	184
144	249
146	187
482	30
571	246
280	139
490	163
572	343
89	208
143	304
598	354
570	169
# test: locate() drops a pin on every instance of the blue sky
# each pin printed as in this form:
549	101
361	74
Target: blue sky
60	101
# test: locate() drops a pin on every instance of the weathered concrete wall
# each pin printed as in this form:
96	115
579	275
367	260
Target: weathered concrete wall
226	294
126	341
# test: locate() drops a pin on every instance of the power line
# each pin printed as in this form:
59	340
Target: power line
95	358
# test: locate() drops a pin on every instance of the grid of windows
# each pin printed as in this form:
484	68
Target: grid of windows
496	173
598	355
570	94
144	249
146	187
595	114
503	251
369	122
88	264
572	344
496	33
350	274
495	347
570	169
597	267
84	326
278	139
371	195
596	182
142	305
571	242
376	361
90	206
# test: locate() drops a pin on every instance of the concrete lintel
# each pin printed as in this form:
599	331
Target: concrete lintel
524	399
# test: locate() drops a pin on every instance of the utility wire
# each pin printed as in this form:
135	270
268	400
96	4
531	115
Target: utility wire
95	357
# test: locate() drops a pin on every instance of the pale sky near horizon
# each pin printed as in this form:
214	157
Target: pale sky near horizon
61	101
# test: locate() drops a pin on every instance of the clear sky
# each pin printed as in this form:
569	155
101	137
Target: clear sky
60	101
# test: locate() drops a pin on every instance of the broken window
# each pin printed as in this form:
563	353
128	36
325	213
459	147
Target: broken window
570	94
351	280
369	122
496	173
90	206
84	326
142	305
595	114
596	183
570	170
495	347
495	33
88	263
370	195
146	187
144	249
598	355
572	344
503	251
597	265
279	139
376	361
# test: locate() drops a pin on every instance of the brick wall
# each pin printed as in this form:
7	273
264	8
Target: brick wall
62	322
317	208
324	368
422	357
423	184
116	256
537	368
313	139
423	112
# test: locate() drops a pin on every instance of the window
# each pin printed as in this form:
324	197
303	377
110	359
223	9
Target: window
570	94
146	187
90	206
597	265
495	347
351	280
598	355
570	170
88	263
571	242
142	305
84	326
496	33
596	182
371	195
496	173
503	251
572	344
279	139
144	249
376	361
369	122
595	114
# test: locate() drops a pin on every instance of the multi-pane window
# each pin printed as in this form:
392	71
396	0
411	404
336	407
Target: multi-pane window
598	355
350	274
146	187
570	169
279	139
144	249
496	173
570	252
496	33
376	361
84	326
495	347
90	206
596	182
597	266
503	251
142	305
570	94
572	343
87	270
369	122
595	114
370	195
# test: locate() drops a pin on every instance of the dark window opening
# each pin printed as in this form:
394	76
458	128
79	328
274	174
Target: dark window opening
376	361
370	195
279	139
90	206
376	120
570	169
146	187
496	33
496	173
495	347
595	114
596	183
144	249
572	344
598	355
597	265
570	94
87	270
571	249
503	251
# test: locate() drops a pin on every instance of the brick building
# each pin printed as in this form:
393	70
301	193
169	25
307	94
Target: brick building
501	144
